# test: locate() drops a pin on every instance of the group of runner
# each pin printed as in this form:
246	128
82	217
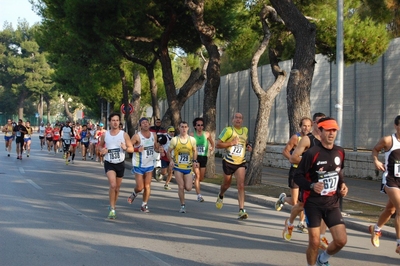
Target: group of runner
63	138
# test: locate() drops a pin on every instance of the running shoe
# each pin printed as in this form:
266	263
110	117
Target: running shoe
144	208
301	228
319	263
112	214
242	214
287	232
72	161
280	202
182	209
166	187
200	198
323	243
132	197
219	203
398	249
8	155
27	155
158	176
375	235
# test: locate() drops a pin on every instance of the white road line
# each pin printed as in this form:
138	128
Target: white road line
21	170
33	184
153	258
74	211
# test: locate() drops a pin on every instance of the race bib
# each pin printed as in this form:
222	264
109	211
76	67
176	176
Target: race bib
8	134
67	141
114	155
330	180
48	135
183	158
56	133
18	134
27	136
236	150
201	150
73	141
85	140
148	152
396	168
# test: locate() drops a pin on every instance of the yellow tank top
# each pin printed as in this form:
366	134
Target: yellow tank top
235	154
183	152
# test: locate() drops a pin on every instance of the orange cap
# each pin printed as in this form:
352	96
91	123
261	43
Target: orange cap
329	124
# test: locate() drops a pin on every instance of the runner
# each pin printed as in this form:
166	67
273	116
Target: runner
41	131
114	143
74	142
182	154
49	137
28	138
19	132
166	171
144	143
202	139
305	128
66	135
391	145
320	177
8	136
56	138
92	142
99	133
234	140
84	141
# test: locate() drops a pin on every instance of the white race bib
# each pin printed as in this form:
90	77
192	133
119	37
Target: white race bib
236	150
183	158
330	180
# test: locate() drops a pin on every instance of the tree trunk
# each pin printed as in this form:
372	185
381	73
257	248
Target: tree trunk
301	75
207	34
134	118
47	109
265	100
67	112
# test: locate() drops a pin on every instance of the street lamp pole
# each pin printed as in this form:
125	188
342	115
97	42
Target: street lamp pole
340	69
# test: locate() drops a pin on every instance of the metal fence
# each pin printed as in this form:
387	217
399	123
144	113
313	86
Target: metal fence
370	103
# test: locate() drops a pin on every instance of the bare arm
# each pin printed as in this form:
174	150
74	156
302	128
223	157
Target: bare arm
383	143
301	147
212	143
292	143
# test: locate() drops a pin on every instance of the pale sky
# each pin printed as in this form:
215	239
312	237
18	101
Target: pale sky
11	10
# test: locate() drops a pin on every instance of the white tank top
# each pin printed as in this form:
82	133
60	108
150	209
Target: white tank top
115	154
144	158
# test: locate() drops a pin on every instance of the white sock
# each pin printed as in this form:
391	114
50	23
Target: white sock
324	257
144	203
376	228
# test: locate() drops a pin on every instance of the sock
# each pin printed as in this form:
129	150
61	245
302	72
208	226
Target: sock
144	203
376	228
324	257
289	223
398	241
220	196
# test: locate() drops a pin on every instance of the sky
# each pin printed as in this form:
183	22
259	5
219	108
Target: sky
11	10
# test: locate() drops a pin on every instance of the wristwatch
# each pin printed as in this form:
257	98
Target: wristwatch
312	186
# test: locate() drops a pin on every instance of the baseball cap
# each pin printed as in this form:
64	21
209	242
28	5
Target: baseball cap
143	119
329	124
171	129
101	124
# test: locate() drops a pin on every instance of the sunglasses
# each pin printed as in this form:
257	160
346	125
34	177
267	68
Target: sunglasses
199	125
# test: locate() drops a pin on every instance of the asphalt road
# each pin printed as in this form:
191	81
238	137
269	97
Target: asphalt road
55	214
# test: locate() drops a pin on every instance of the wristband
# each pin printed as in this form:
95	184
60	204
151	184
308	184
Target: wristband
135	149
195	161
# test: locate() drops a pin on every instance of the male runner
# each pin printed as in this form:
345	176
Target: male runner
8	137
182	155
202	139
320	177
19	132
145	144
391	145
234	140
114	143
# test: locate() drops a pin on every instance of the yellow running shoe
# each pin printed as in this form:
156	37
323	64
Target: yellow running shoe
287	232
242	214
219	203
375	235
